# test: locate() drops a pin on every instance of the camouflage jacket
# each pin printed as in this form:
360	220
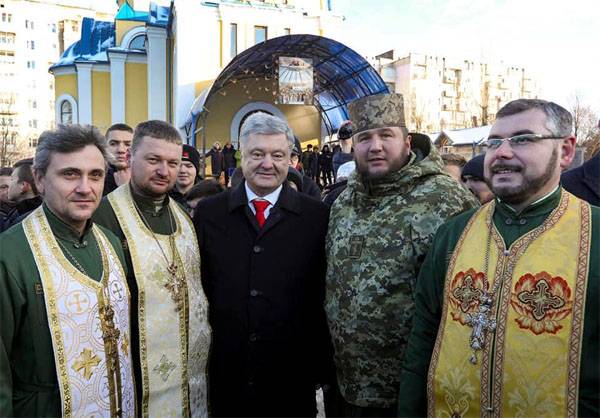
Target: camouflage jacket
379	234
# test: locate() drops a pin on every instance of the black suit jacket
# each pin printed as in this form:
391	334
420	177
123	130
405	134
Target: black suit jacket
584	181
265	288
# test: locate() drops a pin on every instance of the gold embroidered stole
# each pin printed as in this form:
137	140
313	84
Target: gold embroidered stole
89	326
174	335
530	365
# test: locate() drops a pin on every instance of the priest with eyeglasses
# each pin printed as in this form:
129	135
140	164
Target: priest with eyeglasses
507	301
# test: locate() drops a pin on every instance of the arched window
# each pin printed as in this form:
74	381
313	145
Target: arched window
66	112
138	42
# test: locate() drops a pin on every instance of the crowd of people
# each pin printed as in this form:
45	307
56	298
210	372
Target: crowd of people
400	281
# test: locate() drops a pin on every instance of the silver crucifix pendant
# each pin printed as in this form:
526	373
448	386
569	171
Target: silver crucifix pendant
481	323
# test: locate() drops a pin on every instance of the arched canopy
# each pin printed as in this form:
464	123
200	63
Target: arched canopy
340	74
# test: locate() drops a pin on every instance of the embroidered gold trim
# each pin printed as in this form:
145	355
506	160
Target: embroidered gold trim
516	251
88	360
56	333
125	195
579	310
438	341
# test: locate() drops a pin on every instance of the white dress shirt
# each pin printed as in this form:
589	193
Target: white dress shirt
271	198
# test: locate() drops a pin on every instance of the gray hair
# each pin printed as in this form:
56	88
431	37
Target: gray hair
265	124
66	139
558	119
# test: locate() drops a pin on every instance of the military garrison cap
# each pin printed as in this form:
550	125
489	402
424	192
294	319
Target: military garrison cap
377	111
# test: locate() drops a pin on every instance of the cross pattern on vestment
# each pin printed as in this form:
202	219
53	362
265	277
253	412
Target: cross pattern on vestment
75	300
467	293
541	299
86	362
116	289
164	368
175	286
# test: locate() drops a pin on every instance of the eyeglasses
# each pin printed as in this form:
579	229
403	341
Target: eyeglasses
518	140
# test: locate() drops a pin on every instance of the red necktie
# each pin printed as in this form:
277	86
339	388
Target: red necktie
260	206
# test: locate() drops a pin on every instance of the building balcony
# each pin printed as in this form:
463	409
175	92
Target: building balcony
449	93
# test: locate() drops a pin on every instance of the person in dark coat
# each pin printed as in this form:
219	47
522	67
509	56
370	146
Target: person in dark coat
309	187
345	152
187	176
584	181
23	192
262	246
313	163
6	205
326	165
229	161
118	142
306	158
217	162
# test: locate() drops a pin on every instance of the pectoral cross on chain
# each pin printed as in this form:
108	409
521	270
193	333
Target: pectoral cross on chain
111	334
481	323
175	286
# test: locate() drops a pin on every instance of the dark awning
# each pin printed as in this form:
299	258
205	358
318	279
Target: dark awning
340	74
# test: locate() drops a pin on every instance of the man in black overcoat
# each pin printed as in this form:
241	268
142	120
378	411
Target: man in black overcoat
584	181
262	247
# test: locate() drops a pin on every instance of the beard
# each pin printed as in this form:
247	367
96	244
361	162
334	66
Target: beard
394	165
529	186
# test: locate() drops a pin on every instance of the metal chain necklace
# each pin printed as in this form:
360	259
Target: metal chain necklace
176	285
74	260
482	321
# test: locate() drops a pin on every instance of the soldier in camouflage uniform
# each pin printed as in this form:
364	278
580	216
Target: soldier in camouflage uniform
380	230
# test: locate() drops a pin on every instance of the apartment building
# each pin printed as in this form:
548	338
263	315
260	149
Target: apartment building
33	35
156	59
444	93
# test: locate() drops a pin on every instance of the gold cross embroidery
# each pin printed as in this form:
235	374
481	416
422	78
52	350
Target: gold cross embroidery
541	299
77	302
86	362
467	293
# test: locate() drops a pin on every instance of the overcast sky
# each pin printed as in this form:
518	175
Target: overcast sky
557	40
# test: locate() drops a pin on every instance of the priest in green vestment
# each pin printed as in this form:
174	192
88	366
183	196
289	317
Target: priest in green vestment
508	298
61	329
169	308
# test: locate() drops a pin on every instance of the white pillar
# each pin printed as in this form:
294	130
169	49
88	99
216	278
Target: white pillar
157	73
84	91
117	86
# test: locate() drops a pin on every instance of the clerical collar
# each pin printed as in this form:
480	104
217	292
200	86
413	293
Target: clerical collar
540	200
148	204
540	206
271	197
66	232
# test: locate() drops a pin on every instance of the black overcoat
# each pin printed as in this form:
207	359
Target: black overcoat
584	181
265	288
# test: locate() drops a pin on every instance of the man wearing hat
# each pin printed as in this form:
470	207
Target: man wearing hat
472	178
380	230
345	153
187	175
